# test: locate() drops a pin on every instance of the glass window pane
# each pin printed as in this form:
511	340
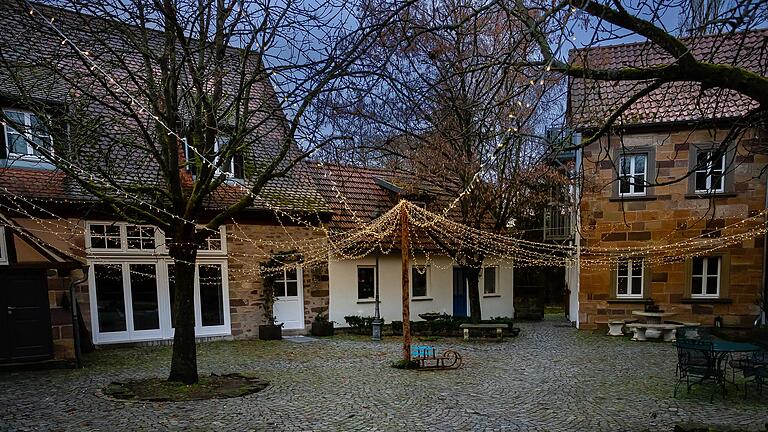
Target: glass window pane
211	295
144	297
366	282
718	164
290	273
621	287
696	285
640	164
489	280
637	267
717	181
637	286
98	242
624	185
278	288
712	266
712	285
639	183
109	297
291	289
702	159
17	143
623	268
701	180
698	266
419	282
624	166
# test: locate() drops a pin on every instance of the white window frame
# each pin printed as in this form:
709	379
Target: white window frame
229	170
357	284
704	276
631	263
495	292
4	260
28	136
629	178
223	329
160	242
427	290
708	171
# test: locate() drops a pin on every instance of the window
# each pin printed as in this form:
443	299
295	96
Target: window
3	250
25	134
419	279
140	237
211	295
489	280
629	278
235	167
710	168
287	283
633	174
705	276
366	282
105	236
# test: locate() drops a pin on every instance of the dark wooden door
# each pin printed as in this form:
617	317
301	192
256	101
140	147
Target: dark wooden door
25	319
459	293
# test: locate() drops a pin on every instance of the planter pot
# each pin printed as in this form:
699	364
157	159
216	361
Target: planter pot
270	332
324	328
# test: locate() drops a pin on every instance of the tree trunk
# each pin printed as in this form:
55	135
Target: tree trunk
473	286
184	360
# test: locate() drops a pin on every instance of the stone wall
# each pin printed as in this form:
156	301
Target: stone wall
670	213
60	305
245	287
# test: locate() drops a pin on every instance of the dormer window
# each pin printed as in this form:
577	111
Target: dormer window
235	167
24	134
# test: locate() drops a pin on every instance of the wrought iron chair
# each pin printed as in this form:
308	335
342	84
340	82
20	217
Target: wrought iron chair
695	359
754	368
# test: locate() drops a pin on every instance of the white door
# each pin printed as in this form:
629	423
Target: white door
289	299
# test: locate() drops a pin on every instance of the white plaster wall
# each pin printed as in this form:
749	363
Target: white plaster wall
343	290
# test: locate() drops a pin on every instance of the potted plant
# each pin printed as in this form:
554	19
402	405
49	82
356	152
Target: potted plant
321	326
271	330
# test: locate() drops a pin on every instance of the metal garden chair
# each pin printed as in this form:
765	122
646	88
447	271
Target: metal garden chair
695	359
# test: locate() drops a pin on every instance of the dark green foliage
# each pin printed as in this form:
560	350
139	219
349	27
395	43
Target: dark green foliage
445	325
402	364
360	324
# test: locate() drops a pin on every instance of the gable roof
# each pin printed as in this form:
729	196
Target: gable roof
126	164
591	101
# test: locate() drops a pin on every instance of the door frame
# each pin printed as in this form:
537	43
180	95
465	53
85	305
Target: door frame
300	295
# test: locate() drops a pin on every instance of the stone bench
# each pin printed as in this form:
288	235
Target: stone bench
499	329
616	326
667	330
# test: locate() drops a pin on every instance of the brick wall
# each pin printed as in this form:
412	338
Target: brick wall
245	288
672	214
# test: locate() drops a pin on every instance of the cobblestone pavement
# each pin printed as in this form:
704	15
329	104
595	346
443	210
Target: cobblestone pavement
550	378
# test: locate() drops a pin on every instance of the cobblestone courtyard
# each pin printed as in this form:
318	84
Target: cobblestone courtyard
550	378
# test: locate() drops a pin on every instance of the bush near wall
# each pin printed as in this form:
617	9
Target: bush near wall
360	324
446	326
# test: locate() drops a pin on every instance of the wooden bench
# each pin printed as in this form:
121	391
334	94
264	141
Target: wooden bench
667	330
499	329
616	326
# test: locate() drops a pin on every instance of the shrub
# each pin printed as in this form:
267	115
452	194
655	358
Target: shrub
360	324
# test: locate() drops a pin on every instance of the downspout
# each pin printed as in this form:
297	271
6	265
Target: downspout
762	318
75	319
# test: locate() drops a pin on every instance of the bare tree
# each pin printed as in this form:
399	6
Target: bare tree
179	113
451	110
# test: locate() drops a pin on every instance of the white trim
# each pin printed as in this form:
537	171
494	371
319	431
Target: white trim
630	181
708	170
427	272
496	281
28	137
705	275
299	294
630	262
160	240
3	248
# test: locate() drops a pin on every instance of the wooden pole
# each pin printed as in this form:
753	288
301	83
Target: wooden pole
404	249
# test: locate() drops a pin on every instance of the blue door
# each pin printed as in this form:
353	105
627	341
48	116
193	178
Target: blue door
459	293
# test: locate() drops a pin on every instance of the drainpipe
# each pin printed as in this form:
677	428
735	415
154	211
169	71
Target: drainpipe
75	318
763	318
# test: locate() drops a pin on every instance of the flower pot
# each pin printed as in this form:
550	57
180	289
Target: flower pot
270	332
321	328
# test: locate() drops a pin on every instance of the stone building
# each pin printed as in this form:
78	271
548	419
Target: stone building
629	196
